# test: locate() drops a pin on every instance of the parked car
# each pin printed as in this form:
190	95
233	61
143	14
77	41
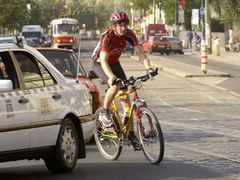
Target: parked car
176	44
157	44
7	40
83	36
43	114
66	62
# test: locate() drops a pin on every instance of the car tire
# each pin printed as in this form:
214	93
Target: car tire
66	151
167	53
161	53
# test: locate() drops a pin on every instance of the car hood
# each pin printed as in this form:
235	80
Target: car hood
90	85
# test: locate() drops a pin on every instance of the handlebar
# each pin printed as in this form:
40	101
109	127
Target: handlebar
136	81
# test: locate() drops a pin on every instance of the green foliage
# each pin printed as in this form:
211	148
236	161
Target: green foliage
169	10
216	25
14	13
229	10
142	4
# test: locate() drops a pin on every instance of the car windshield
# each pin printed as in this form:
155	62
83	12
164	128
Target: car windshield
32	34
65	62
173	39
157	38
65	29
7	41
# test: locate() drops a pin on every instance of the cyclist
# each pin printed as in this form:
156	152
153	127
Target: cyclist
197	39
108	68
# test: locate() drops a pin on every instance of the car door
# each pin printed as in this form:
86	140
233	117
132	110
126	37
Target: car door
44	98
14	109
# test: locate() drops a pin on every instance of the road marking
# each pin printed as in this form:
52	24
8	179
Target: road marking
205	152
213	130
171	105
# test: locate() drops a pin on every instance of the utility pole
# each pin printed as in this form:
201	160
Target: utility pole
208	34
202	12
176	17
154	11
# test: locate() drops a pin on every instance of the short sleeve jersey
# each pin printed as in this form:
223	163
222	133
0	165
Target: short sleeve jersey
114	45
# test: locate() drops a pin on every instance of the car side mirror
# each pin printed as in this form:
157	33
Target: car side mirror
92	75
6	85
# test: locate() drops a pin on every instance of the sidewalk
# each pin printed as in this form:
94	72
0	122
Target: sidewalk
226	57
187	71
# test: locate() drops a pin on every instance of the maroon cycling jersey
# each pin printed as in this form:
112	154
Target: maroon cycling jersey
114	45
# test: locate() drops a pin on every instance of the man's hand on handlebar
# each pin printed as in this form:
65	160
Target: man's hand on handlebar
151	72
116	81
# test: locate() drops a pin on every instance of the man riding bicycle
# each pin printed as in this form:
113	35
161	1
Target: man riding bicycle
108	68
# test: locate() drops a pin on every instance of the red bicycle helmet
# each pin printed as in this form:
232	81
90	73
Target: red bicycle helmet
119	16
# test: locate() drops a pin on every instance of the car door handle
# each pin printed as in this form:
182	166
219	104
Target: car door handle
56	96
23	100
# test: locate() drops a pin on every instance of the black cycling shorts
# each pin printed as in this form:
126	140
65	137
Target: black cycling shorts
116	69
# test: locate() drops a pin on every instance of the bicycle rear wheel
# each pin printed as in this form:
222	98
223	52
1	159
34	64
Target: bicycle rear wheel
108	140
150	136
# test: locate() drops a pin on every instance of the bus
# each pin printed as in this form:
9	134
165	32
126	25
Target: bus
33	32
65	33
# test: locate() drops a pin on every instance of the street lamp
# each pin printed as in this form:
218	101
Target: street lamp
159	5
154	11
176	17
132	17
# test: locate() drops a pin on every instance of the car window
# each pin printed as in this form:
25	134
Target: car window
156	38
163	39
34	75
7	69
65	62
173	39
47	78
3	72
7	41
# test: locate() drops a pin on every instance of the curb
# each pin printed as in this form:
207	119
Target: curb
184	74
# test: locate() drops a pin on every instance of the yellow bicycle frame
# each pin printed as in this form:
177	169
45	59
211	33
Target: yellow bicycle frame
124	128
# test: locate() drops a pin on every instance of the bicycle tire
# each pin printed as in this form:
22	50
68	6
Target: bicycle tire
150	135
108	140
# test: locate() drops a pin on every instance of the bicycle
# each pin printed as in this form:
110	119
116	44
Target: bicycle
197	47
111	140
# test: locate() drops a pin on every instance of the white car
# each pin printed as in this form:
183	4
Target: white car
42	114
7	40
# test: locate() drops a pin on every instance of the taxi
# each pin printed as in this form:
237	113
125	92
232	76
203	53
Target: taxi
68	64
43	115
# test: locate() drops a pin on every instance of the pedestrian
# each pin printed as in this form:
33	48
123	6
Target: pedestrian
189	39
108	68
230	39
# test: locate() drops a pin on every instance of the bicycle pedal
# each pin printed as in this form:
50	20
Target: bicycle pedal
137	147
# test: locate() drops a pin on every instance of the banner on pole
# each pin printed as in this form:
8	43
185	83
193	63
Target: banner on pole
195	16
181	11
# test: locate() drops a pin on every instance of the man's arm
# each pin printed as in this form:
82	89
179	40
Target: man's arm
142	56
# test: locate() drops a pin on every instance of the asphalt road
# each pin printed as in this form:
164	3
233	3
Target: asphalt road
200	123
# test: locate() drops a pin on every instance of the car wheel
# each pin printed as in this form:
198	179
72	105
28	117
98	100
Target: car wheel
167	53
66	150
161	53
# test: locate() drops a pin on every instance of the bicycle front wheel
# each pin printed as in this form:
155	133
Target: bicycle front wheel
108	141
150	135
